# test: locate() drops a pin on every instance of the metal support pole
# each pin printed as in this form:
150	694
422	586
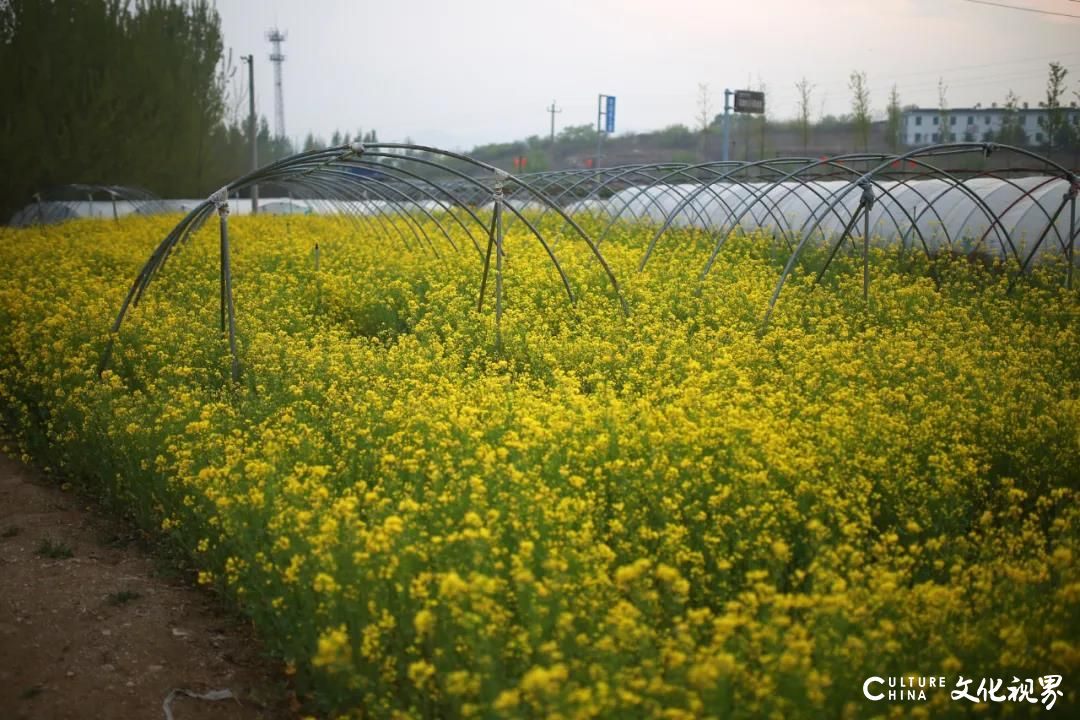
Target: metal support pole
867	202
318	282
487	263
498	196
848	228
250	59
727	124
115	216
1072	237
221	269
221	199
866	258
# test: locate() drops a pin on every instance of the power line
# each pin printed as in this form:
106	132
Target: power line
927	79
923	79
1023	9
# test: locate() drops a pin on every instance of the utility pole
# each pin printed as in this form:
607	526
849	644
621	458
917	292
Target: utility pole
605	108
250	60
727	123
553	110
599	128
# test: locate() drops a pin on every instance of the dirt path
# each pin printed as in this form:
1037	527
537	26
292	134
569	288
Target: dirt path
102	634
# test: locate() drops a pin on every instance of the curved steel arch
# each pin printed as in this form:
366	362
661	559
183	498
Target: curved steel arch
686	170
933	151
443	188
643	170
435	189
725	177
317	171
541	197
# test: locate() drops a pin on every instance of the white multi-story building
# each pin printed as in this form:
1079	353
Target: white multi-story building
923	126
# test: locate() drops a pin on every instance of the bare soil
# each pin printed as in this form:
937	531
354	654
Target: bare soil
106	632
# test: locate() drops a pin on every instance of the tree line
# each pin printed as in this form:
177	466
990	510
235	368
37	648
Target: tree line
136	92
1057	131
121	93
754	137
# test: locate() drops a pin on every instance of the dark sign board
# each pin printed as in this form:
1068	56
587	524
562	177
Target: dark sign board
749	101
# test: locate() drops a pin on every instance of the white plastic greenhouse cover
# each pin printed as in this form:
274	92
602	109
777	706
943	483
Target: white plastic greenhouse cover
51	211
976	214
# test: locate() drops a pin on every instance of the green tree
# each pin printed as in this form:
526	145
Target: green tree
860	109
1010	132
1054	122
894	120
704	117
945	134
109	91
805	89
311	142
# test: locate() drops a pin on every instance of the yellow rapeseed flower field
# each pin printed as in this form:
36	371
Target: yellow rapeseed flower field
671	515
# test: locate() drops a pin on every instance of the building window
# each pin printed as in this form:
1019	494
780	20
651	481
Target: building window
918	119
971	119
952	119
1038	137
986	120
934	137
918	137
987	136
1023	119
935	119
969	137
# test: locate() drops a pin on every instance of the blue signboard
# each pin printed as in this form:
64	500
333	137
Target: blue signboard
609	115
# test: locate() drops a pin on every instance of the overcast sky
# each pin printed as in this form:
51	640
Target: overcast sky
456	73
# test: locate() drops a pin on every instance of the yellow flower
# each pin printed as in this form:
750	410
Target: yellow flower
424	622
334	651
420	672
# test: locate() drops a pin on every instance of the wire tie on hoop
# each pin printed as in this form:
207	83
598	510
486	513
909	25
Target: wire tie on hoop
868	196
221	200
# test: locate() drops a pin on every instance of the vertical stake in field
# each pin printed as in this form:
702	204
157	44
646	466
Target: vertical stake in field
318	282
498	225
495	241
221	200
867	202
221	268
1073	187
